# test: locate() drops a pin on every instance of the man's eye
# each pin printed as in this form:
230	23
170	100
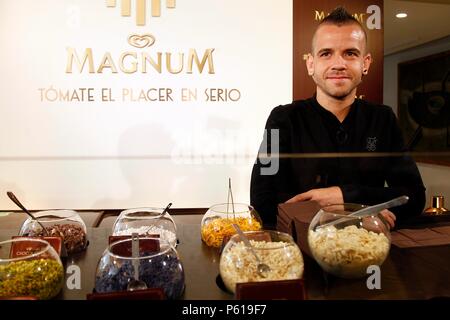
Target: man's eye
324	54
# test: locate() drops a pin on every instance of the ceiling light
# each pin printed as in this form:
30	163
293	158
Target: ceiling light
401	15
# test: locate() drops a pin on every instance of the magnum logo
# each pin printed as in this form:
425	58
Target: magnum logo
146	40
320	15
130	62
140	8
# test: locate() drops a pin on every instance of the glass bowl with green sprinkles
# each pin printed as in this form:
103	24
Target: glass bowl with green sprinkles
29	268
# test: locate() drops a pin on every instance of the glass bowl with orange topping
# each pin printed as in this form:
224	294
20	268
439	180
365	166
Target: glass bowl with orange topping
217	223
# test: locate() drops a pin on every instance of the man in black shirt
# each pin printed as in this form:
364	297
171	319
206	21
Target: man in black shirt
335	148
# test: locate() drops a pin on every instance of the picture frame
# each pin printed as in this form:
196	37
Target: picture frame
424	107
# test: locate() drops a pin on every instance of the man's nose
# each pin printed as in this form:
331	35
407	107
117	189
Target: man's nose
339	63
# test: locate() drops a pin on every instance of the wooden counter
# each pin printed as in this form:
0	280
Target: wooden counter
417	273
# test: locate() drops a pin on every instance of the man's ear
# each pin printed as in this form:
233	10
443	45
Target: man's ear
310	64
366	63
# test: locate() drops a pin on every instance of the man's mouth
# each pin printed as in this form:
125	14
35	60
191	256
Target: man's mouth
337	77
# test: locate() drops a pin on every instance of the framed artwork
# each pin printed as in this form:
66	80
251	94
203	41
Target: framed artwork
424	107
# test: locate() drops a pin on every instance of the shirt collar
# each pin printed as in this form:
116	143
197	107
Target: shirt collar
331	119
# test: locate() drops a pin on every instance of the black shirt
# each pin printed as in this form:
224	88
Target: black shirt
308	130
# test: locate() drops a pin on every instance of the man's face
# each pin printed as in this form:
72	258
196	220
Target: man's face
338	60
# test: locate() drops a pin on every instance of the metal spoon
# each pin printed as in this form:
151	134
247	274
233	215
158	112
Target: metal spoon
372	209
164	211
20	205
135	284
261	267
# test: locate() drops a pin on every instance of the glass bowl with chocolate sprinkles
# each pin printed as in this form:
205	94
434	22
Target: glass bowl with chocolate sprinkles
66	224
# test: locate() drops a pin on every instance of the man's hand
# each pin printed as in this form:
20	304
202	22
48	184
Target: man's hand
324	196
373	223
389	217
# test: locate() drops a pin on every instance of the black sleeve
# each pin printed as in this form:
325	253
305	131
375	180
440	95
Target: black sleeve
268	181
402	178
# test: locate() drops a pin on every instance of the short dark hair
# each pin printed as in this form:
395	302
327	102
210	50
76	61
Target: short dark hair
339	16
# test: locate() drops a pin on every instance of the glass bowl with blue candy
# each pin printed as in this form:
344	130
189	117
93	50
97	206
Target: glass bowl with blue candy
151	263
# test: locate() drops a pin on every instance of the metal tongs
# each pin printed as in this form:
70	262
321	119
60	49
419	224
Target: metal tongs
370	210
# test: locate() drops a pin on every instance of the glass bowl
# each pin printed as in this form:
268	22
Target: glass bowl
146	222
29	267
275	249
159	267
345	246
66	224
217	223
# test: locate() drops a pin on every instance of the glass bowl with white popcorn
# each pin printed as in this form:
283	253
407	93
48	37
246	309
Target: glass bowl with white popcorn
346	245
275	249
146	222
